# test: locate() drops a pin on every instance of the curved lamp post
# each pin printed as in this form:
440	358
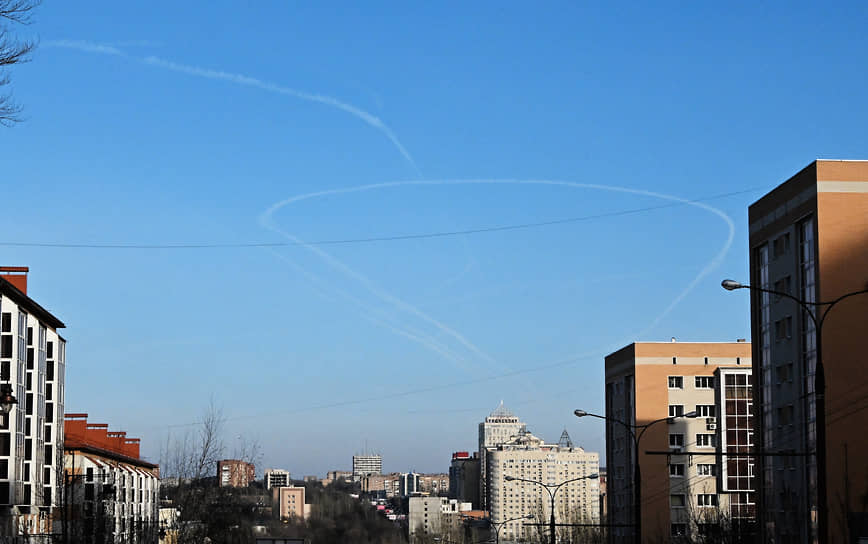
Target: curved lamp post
499	526
7	399
637	474
552	494
817	311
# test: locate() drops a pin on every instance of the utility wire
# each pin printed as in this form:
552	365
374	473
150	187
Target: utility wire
391	238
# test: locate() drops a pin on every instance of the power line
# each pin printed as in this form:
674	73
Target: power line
391	238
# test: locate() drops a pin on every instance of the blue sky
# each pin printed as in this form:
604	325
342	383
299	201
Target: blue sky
173	123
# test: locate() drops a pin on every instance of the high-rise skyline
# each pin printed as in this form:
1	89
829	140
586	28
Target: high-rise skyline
500	425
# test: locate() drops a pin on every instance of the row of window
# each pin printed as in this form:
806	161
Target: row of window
699	382
703	440
676	470
702	410
703	500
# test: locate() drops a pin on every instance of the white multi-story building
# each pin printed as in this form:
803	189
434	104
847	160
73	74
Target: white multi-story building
275	477
32	361
364	465
434	516
499	427
529	458
110	489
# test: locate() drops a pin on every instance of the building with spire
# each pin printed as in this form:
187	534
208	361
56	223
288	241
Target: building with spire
499	427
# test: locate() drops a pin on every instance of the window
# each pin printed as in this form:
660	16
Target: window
705	410
676	501
706	499
781	245
676	410
784	373
706	469
676	382
705	440
6	322
784	328
6	345
704	382
676	469
676	440
5	371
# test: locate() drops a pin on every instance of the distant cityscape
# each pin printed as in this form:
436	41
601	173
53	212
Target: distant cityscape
735	441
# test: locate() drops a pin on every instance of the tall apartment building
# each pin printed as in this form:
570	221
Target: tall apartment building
235	473
649	381
528	457
808	238
288	502
110	489
275	477
32	363
499	427
464	477
367	464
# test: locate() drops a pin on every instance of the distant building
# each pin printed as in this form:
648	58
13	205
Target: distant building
32	363
434	516
604	503
382	486
499	427
464	477
408	484
528	457
289	502
235	473
364	465
808	239
275	477
434	484
110	490
335	475
310	478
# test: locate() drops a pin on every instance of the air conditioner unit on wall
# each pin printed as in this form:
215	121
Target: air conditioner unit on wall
711	423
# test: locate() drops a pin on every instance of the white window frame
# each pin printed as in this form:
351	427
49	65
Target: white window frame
674	473
676	410
702	437
699	380
677	379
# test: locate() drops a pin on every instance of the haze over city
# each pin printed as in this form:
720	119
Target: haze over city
361	228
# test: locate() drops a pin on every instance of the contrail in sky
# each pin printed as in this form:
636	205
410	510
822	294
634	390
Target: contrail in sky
241	79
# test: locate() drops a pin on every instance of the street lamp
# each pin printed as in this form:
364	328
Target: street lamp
499	526
7	399
637	473
817	311
552	494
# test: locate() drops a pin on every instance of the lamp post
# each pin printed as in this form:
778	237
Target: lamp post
552	494
499	526
7	399
817	311
637	473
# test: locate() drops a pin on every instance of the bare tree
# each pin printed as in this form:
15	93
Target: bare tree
12	50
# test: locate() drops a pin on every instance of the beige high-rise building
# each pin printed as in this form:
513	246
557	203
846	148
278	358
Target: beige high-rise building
680	468
528	457
809	240
289	502
500	426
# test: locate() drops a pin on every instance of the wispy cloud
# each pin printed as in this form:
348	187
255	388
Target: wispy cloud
87	47
241	79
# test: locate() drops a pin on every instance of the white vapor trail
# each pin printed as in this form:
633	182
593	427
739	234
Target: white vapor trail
87	47
241	79
267	220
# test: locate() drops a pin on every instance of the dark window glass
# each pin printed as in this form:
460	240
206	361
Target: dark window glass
28	451
28	405
5	371
47	438
6	345
27	494
27	426
28	382
5	443
49	390
4	468
49	410
46	496
49	370
46	475
89	474
4	493
49	350
29	336
29	358
6	322
88	492
48	450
